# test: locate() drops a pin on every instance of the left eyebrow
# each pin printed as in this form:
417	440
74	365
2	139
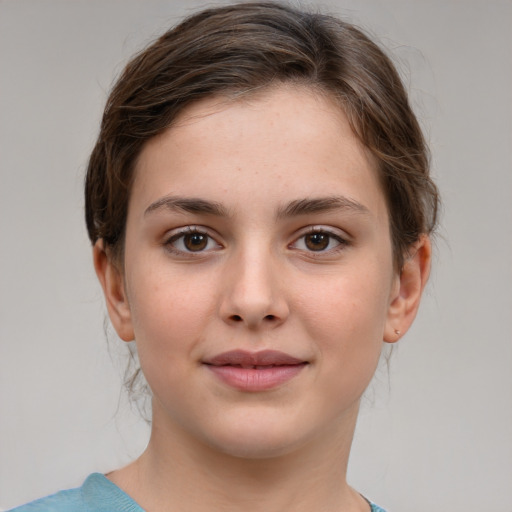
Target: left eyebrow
188	205
320	205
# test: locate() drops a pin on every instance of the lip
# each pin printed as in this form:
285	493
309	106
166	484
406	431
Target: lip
255	371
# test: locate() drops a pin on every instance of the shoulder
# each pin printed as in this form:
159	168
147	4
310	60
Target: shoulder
63	501
97	494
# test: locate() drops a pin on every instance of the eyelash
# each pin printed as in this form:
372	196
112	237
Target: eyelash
189	231
341	242
170	242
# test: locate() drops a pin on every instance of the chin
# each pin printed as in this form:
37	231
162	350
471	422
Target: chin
257	439
256	449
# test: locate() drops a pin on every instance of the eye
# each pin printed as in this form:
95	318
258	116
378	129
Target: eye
319	240
191	240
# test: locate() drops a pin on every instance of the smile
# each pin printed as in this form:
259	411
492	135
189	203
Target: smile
253	372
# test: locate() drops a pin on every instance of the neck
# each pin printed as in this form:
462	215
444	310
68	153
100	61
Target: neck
177	473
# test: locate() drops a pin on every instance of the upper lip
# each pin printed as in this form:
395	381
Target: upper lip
250	359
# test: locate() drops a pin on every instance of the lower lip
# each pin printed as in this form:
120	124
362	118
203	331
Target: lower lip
251	379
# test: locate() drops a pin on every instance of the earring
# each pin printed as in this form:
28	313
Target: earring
397	332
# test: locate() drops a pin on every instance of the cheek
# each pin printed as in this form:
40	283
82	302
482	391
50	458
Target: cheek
346	317
349	349
167	302
351	303
168	318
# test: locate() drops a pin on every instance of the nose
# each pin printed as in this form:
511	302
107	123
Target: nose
253	294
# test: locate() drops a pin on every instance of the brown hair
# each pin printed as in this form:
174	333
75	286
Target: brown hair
234	50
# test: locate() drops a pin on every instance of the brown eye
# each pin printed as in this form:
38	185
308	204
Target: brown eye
195	241
322	241
191	241
317	241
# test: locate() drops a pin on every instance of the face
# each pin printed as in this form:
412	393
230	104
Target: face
258	277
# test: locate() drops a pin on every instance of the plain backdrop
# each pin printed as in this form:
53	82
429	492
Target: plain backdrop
435	432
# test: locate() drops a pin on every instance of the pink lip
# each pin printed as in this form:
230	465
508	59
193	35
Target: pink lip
255	371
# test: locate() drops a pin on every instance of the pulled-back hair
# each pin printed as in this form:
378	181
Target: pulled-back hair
235	50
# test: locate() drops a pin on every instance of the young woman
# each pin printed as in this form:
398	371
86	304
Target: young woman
259	204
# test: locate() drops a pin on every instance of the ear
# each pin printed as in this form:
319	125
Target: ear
112	282
407	290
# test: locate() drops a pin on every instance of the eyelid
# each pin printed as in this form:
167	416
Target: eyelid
177	233
339	235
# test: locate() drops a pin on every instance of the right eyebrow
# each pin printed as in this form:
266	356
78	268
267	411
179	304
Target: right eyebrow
188	205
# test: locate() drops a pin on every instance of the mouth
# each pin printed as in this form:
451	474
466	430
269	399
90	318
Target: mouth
255	371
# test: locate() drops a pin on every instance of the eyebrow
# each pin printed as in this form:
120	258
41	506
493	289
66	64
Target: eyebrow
320	205
293	209
188	205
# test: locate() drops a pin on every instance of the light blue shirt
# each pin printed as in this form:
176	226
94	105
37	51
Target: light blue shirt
97	494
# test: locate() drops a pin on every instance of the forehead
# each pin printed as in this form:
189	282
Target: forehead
285	140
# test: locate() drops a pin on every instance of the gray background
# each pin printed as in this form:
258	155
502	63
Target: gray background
435	433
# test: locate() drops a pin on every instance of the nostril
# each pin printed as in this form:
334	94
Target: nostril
238	318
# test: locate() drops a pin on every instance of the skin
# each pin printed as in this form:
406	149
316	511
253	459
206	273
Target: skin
259	282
